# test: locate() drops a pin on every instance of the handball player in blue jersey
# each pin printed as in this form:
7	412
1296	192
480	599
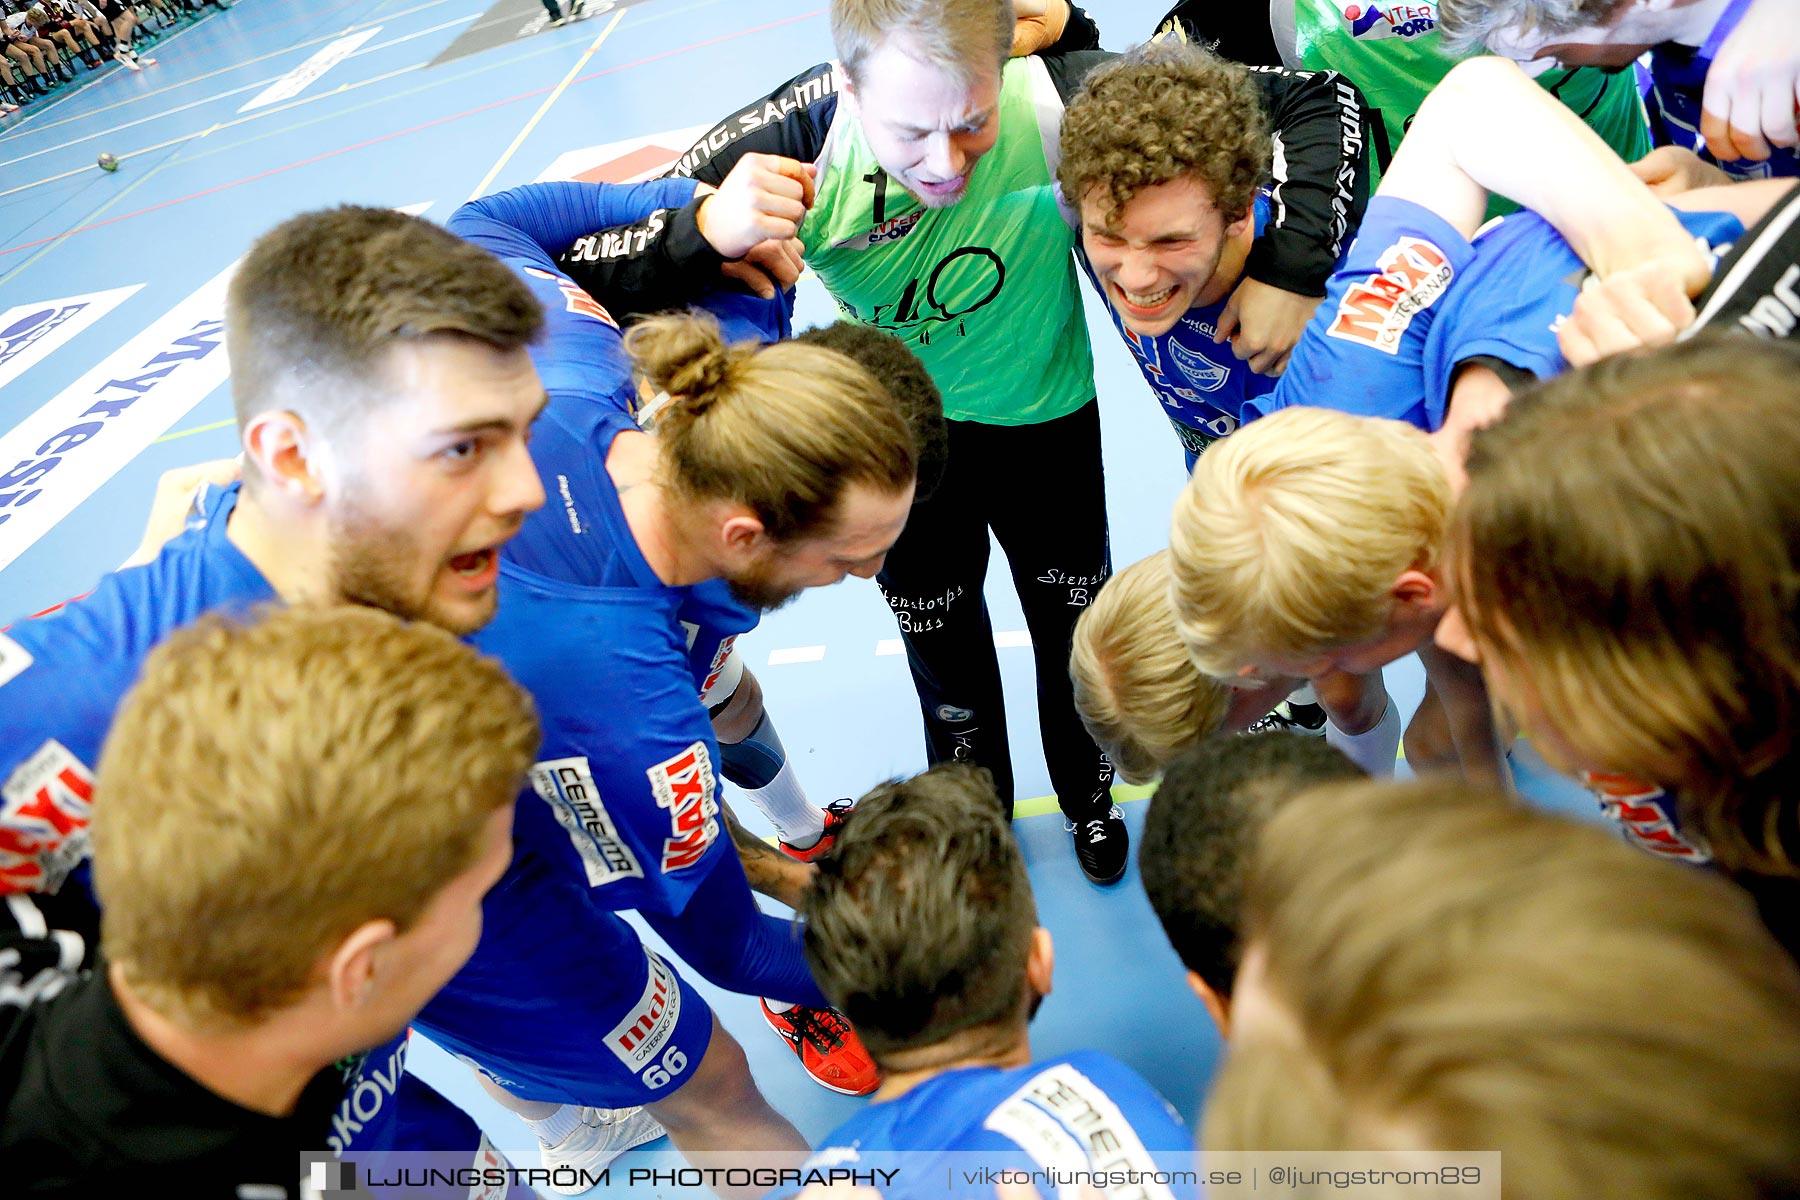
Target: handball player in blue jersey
584	359
383	423
922	928
1432	315
1165	155
1166	158
591	560
1430	319
530	228
228	1028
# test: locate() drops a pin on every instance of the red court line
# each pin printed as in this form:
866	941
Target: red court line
388	137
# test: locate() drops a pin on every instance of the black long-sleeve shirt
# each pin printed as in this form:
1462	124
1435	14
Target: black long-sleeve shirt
1319	177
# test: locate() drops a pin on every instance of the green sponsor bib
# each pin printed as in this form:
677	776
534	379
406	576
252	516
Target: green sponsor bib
1391	52
983	291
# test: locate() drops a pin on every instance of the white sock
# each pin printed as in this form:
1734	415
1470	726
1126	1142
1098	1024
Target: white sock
557	1126
1375	750
1303	694
778	1006
798	821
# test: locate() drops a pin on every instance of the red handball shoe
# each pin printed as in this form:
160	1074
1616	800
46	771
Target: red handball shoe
828	1048
836	814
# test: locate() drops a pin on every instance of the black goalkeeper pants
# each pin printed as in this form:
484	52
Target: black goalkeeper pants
1042	490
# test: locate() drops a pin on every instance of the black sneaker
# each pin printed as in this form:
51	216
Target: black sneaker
1289	717
1102	846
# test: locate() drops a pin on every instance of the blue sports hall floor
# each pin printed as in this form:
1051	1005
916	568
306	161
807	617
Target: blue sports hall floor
270	109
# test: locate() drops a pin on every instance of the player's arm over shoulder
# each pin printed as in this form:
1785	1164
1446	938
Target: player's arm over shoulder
792	121
665	260
1321	180
1749	202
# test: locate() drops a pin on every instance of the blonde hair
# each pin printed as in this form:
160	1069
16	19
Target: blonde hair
270	785
960	36
1466	973
783	430
1289	535
1628	549
1139	695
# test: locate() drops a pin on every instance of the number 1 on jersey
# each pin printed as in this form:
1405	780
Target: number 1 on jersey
879	178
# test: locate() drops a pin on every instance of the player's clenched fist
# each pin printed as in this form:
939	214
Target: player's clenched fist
1752	97
765	196
1647	305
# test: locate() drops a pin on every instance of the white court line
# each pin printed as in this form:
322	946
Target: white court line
1006	639
108	132
796	654
482	187
258	115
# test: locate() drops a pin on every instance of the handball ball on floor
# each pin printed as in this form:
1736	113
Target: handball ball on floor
108	162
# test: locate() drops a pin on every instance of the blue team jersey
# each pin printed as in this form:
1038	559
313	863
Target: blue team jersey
628	764
1677	87
1085	1112
1412	300
1202	385
1649	817
582	363
62	677
583	355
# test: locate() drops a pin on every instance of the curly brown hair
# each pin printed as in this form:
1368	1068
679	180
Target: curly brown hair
1164	112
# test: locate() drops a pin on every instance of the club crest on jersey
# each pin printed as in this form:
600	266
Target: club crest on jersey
567	786
1374	22
575	299
1200	370
1411	275
881	233
684	786
45	806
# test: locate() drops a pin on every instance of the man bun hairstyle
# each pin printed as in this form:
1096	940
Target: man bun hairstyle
784	430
